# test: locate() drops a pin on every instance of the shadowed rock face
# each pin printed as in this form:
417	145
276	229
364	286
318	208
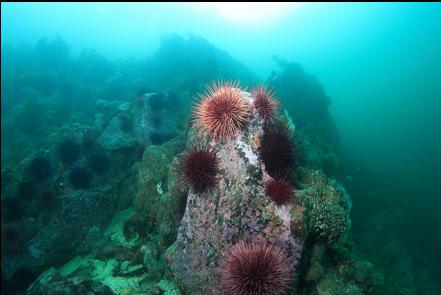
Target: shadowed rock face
55	242
156	119
236	209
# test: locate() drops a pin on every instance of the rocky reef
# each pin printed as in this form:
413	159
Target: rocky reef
237	209
107	188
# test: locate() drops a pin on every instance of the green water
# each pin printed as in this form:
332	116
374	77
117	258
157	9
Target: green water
379	63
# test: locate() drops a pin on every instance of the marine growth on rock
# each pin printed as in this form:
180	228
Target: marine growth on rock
80	177
253	158
40	169
69	151
48	199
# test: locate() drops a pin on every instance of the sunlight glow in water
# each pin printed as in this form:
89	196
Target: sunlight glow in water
249	13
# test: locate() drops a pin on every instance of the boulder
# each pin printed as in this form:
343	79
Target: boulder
156	119
235	209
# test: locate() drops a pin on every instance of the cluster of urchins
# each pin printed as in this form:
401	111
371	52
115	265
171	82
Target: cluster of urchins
250	268
38	190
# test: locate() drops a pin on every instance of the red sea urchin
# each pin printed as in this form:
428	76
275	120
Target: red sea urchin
256	268
199	168
267	106
222	111
279	190
277	150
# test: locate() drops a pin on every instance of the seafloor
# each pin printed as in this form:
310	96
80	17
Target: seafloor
92	200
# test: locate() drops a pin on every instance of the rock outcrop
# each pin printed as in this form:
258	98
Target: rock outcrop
235	209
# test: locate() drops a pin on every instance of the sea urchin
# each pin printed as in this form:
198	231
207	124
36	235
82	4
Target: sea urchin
277	150
279	190
26	190
12	238
12	209
199	168
222	111
256	268
267	106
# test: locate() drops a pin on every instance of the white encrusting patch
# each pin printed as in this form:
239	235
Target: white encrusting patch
249	154
159	188
284	214
247	96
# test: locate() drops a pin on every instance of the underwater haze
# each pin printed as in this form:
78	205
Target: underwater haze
101	109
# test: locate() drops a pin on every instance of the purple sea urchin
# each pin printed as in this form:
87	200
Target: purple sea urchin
256	268
12	239
199	168
279	190
277	150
